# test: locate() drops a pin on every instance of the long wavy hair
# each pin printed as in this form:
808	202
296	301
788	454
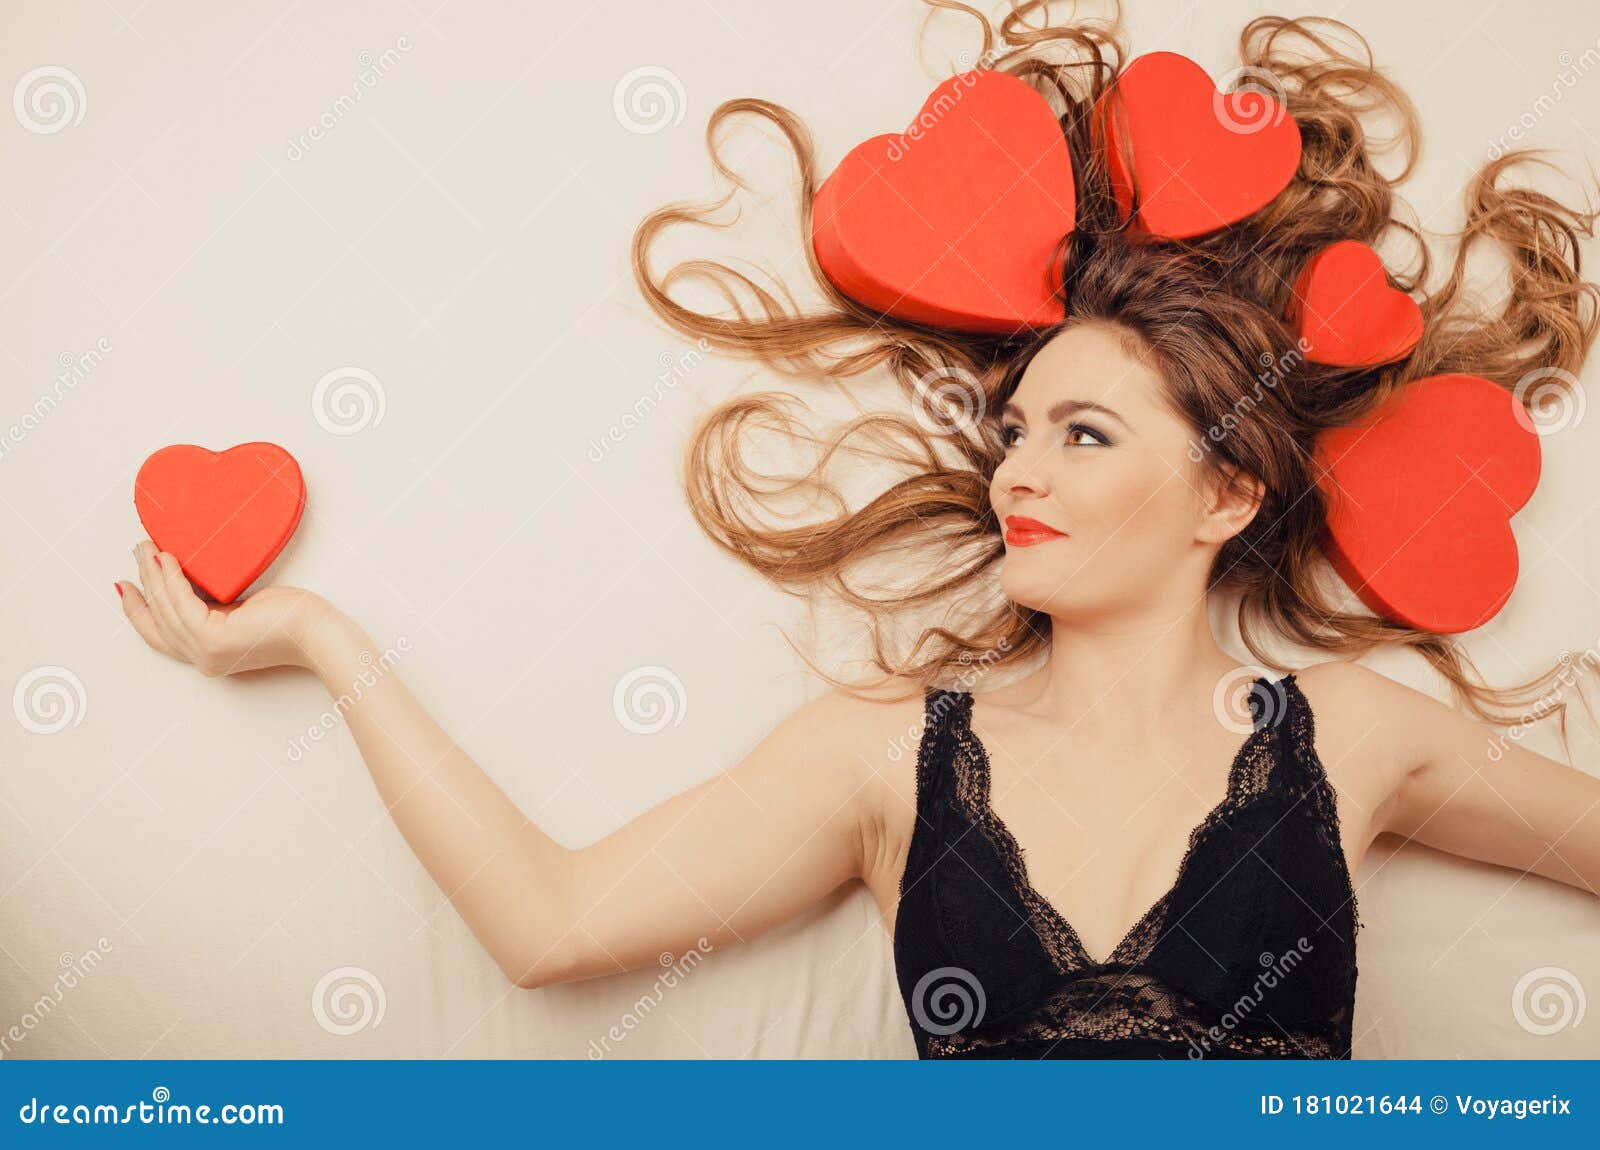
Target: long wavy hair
1207	312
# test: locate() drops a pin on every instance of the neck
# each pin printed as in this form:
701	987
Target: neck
1144	672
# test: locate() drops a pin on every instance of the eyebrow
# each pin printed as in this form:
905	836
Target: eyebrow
1061	409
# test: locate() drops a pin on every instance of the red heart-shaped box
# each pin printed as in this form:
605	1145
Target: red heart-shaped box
954	222
224	515
1196	158
1420	497
1348	314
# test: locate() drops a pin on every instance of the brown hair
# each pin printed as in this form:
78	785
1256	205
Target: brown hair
1208	310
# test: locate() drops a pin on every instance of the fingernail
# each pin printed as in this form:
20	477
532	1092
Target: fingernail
157	558
118	586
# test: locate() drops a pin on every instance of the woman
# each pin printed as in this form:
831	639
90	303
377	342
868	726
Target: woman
1127	844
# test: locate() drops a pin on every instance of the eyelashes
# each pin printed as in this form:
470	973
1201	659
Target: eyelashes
1102	440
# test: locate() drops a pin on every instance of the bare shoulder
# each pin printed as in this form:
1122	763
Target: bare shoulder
880	727
1355	705
1368	733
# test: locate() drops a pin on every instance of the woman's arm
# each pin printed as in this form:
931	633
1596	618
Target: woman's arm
727	859
1475	791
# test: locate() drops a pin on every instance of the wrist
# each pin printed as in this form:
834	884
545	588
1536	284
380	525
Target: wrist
324	636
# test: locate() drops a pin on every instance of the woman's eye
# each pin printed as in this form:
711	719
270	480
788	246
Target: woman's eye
1074	430
1099	440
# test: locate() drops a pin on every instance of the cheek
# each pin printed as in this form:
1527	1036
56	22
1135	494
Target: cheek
1135	503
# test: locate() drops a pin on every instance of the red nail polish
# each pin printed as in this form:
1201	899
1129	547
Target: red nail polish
118	586
157	558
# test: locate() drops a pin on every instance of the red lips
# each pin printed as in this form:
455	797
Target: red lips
1024	532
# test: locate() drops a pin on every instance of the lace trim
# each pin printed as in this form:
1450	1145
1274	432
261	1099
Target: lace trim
1060	939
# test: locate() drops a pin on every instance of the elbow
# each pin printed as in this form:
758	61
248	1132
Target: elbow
554	953
545	966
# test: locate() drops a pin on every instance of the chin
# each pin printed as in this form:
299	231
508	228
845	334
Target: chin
1040	590
1060	584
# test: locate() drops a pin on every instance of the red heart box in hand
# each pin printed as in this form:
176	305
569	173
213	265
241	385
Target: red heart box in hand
1420	497
224	515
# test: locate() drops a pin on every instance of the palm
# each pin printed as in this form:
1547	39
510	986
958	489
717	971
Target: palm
257	631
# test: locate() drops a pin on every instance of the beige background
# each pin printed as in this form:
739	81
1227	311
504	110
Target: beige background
455	244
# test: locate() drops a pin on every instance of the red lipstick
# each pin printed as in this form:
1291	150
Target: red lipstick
1022	531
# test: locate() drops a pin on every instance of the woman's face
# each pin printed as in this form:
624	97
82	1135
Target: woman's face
1094	454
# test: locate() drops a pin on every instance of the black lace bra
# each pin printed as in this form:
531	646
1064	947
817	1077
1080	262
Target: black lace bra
1251	953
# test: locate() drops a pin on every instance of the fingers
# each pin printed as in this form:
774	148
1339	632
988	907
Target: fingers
189	610
164	617
137	609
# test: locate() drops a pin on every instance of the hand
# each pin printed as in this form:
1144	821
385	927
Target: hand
266	629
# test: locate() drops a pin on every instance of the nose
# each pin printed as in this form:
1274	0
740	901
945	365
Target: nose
1016	479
